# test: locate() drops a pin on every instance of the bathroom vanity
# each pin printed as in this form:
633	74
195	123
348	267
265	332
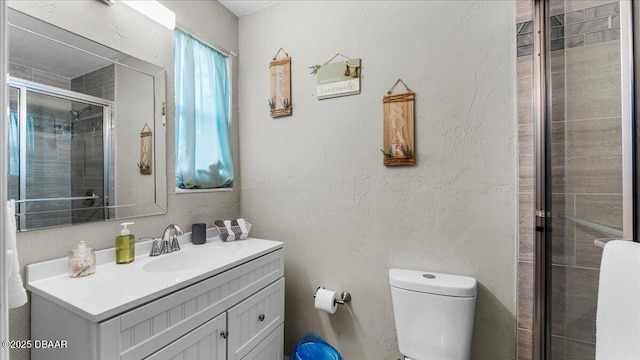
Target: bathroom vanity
220	300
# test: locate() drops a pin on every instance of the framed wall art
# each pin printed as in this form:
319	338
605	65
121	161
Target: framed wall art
398	138
338	79
280	96
145	150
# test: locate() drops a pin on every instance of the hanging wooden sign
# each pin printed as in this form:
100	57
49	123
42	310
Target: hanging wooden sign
145	150
399	147
338	79
280	100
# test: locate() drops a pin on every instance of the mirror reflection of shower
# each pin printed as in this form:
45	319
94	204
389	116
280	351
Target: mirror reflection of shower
76	114
56	154
87	161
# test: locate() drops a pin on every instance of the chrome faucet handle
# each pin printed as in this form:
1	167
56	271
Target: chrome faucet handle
155	248
165	248
175	244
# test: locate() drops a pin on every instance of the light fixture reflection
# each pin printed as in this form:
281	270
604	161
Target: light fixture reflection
154	10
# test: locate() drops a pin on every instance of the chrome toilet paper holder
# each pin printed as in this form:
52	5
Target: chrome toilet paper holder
345	297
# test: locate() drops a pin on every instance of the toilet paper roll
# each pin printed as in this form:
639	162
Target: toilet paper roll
326	301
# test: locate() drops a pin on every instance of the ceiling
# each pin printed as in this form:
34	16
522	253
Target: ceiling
245	7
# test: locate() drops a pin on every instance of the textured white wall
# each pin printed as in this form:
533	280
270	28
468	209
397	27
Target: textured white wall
133	101
315	180
124	29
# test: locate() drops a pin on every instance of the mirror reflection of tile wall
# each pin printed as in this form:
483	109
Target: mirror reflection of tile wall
47	160
87	155
62	150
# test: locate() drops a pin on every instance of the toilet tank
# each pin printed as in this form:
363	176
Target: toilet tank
433	314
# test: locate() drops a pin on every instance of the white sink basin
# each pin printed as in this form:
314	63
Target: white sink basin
187	259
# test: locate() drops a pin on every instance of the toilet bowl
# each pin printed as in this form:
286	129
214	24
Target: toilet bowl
433	314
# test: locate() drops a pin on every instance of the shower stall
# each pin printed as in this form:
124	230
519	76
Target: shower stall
576	149
57	166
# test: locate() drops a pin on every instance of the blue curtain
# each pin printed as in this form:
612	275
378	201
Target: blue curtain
14	142
203	152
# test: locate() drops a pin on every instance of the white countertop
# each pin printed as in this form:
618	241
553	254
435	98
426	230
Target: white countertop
116	288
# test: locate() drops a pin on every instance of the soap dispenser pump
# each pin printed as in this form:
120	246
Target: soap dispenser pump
125	245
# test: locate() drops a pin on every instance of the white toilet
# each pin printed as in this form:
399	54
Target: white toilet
433	313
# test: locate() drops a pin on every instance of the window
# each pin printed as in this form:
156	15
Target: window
203	151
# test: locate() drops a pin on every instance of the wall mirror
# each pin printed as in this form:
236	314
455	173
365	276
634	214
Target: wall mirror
86	129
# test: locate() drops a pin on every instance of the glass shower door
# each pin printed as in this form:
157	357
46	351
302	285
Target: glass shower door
56	158
584	169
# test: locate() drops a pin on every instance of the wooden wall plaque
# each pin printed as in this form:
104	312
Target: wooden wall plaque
399	146
145	151
280	100
338	79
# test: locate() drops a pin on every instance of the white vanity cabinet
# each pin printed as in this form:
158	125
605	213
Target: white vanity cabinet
256	321
234	314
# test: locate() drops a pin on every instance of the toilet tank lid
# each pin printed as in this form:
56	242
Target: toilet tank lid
433	283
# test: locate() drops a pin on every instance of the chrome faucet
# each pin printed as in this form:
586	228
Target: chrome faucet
155	248
170	241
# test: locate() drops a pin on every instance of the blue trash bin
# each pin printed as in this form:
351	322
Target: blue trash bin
313	347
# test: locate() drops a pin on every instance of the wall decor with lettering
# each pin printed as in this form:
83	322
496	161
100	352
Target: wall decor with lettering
398	148
338	78
280	100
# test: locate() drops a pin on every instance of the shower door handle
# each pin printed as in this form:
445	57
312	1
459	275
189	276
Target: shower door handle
541	215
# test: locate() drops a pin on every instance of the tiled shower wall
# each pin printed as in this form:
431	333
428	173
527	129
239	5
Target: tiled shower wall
48	157
87	155
586	165
64	152
48	154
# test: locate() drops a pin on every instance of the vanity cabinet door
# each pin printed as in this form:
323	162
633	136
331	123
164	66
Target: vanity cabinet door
146	329
252	320
204	343
271	348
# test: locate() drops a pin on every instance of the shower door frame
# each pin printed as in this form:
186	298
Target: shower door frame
540	339
25	86
542	160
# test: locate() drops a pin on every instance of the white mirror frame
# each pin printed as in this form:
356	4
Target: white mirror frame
117	210
4	308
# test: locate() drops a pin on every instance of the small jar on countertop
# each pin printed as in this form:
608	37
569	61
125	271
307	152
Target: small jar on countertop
82	260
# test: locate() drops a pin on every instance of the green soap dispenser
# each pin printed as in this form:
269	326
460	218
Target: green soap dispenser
125	245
